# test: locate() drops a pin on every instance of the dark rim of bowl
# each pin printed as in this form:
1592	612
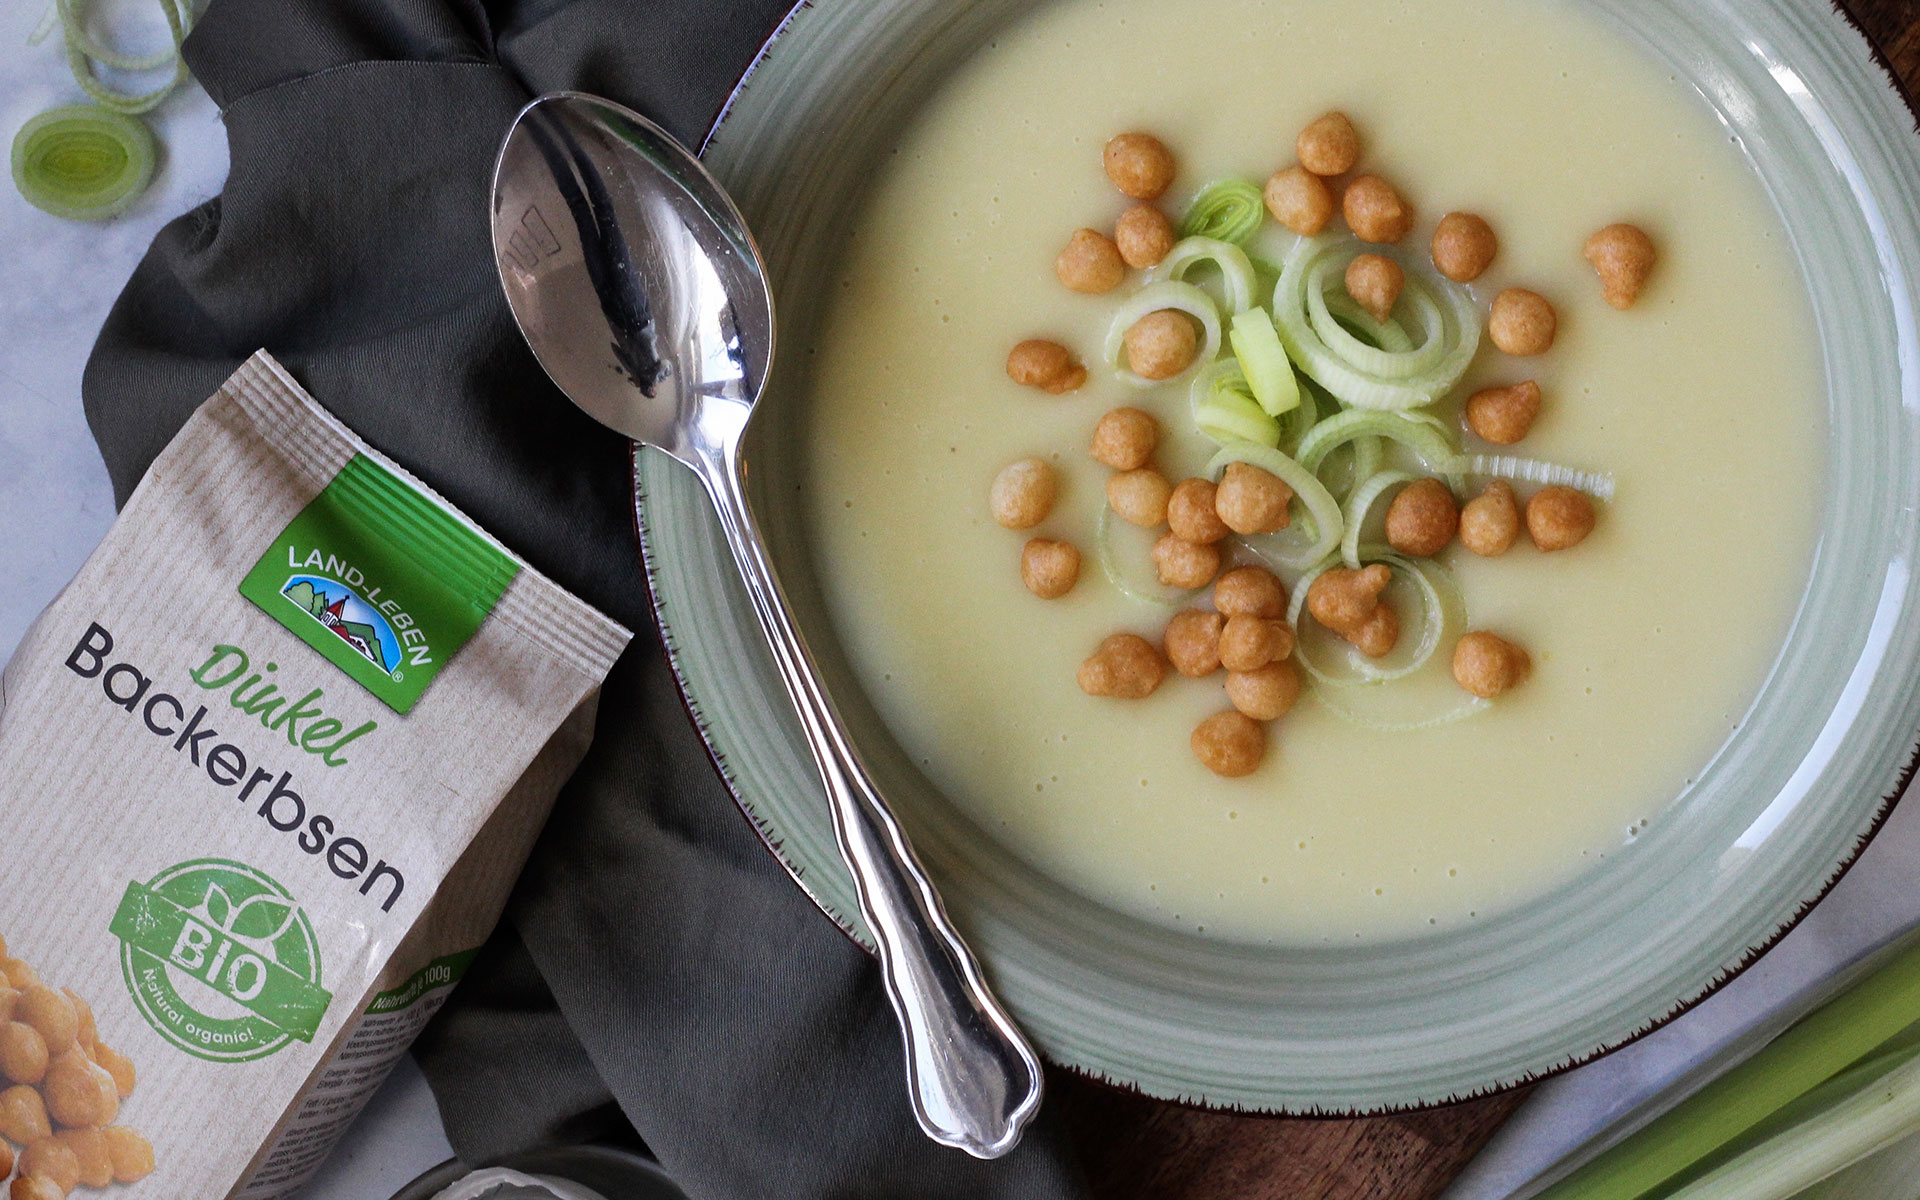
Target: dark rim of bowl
771	841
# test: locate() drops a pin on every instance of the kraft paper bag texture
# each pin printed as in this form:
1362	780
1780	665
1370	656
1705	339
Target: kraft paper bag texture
268	769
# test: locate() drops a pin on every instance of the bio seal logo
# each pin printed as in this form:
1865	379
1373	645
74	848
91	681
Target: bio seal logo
221	960
385	584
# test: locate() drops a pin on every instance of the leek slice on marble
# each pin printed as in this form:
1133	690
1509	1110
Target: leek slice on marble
1834	1037
1231	210
1856	1115
83	162
85	55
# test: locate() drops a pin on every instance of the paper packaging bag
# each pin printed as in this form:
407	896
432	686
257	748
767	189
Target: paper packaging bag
268	768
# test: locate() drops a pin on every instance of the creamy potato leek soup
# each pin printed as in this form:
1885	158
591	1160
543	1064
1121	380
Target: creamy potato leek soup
1548	468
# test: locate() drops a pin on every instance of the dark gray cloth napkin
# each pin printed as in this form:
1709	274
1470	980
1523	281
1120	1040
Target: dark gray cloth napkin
655	966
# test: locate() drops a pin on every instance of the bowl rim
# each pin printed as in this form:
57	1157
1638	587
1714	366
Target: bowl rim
770	841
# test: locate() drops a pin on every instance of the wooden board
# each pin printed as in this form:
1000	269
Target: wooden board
1141	1149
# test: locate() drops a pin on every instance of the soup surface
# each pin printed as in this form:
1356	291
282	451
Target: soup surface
1648	640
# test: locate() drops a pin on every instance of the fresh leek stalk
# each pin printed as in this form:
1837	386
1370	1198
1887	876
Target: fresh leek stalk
1844	1033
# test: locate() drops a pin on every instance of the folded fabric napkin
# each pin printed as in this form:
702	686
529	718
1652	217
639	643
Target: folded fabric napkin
656	966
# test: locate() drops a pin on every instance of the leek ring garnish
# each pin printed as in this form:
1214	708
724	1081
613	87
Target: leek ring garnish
1418	432
1149	590
1231	210
1325	526
1533	471
1349	368
1442	612
1365	495
1241	285
1224	409
1168	294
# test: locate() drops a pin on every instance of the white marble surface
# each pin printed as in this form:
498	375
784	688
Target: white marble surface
54	496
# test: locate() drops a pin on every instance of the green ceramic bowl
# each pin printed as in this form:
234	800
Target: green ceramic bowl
1757	840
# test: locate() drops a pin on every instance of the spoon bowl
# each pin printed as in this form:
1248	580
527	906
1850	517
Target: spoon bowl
640	290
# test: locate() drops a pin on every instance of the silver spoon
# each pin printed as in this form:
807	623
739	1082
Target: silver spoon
643	295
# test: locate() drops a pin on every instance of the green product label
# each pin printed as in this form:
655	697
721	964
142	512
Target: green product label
383	582
442	972
221	960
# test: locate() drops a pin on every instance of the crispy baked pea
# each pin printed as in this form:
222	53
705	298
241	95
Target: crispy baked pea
1464	246
23	1115
1191	513
1266	694
89	1148
9	996
1487	665
1623	255
1374	281
1329	145
1229	743
1252	592
1559	518
51	1013
1504	415
23	1053
1523	323
1090	263
1022	493
1192	642
132	1154
1124	439
51	1159
35	1188
1375	210
6	1158
1049	568
78	1092
1250	643
1143	235
1139	497
1252	500
1183	564
1491	521
1344	599
1378	634
1126	667
1161	344
1046	365
1300	200
1422	519
116	1064
1139	164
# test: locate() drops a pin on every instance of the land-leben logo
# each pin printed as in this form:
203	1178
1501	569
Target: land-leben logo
376	626
379	580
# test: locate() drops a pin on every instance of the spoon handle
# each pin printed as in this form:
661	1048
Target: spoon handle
973	1080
